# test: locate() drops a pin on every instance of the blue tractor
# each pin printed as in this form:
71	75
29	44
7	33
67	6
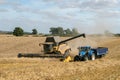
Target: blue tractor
88	53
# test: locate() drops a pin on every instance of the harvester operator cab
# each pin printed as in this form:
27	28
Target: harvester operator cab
50	43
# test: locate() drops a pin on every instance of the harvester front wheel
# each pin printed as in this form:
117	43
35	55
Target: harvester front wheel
66	54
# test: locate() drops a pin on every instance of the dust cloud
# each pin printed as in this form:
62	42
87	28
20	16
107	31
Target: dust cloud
102	25
74	44
98	24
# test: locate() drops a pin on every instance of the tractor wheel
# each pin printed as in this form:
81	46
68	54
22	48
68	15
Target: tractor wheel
85	58
76	58
92	57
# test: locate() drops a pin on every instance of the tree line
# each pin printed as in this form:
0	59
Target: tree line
55	31
18	31
59	31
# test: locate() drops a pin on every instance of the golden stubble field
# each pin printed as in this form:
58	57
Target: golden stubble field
13	68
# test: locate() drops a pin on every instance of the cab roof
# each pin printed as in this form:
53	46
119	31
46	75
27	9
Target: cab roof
53	39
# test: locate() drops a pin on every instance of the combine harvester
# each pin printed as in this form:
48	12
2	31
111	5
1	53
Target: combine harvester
53	48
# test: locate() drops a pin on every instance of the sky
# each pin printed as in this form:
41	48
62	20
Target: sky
88	16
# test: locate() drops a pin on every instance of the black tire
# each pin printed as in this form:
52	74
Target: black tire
85	58
76	58
102	56
19	55
92	57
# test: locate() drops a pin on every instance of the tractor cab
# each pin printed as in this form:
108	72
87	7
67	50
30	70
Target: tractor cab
84	48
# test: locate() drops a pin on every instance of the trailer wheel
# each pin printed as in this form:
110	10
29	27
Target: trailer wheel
76	58
92	57
102	56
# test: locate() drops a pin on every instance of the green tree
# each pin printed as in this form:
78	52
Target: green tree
18	31
60	31
68	32
53	31
75	31
57	31
34	31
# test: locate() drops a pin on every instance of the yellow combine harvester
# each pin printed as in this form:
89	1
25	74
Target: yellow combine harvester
53	48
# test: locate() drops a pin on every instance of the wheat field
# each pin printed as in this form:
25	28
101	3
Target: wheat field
13	68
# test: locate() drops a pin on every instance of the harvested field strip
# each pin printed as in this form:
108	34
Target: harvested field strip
58	69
